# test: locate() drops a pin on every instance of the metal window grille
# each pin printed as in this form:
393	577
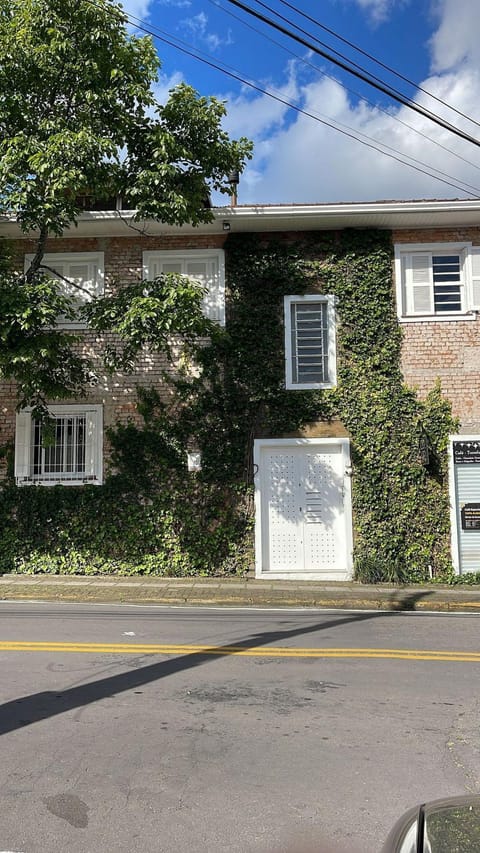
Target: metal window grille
64	458
447	283
309	331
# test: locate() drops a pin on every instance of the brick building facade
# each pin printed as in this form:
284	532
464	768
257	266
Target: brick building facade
437	298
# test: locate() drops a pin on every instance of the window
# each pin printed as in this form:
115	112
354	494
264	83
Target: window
80	275
71	455
439	281
204	265
310	342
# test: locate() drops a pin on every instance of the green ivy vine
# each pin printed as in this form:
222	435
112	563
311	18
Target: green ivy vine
152	516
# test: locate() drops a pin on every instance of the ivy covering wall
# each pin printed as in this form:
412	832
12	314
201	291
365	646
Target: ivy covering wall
152	516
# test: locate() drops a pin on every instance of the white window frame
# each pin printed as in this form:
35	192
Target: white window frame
465	250
332	355
24	447
96	265
216	256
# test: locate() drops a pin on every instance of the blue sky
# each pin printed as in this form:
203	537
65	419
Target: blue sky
435	43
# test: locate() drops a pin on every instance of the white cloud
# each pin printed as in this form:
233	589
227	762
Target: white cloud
197	28
379	10
255	116
306	161
138	8
298	159
162	88
457	38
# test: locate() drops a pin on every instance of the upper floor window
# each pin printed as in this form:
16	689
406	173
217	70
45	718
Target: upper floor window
80	275
204	265
439	281
310	342
70	454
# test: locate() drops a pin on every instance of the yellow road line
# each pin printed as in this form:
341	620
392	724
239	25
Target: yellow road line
253	651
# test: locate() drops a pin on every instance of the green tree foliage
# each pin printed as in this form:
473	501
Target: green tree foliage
78	115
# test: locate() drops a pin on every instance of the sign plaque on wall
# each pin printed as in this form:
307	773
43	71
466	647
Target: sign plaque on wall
470	514
466	453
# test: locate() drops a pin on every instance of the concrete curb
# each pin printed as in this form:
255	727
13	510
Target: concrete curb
239	592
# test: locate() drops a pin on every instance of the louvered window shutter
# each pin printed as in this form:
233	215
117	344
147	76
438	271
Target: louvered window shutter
207	273
418	283
475	278
91	445
172	266
153	270
82	275
22	446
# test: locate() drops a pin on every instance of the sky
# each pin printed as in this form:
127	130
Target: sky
299	158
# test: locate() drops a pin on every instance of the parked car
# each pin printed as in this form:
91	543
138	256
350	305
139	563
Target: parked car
449	825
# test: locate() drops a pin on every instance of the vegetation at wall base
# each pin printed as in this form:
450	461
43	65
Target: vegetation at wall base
152	516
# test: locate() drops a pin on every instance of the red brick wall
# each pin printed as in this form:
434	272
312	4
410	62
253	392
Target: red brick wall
123	263
450	351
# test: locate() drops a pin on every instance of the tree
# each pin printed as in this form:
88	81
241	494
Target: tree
78	115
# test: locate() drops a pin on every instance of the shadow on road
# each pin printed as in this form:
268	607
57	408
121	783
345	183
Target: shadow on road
41	706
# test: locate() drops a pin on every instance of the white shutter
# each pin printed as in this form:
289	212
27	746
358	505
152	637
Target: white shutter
23	427
80	274
208	274
203	265
171	266
92	438
198	270
475	278
154	270
418	284
216	294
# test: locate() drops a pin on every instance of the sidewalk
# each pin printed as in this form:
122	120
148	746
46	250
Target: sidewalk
238	592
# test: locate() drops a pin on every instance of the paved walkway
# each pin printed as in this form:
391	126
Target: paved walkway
238	592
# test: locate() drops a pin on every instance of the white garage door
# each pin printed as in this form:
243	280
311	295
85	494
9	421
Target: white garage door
303	525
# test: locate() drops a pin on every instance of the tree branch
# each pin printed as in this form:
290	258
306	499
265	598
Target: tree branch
39	253
62	277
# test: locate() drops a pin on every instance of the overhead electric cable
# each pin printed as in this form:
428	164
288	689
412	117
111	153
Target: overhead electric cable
367	78
378	61
141	25
362	97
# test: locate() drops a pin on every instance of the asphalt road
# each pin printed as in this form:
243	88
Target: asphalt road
185	730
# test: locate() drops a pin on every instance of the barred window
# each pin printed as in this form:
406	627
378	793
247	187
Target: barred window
67	451
310	342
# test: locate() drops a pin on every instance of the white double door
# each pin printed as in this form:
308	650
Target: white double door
303	506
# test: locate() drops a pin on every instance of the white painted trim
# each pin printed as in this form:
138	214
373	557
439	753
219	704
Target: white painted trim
244	218
407	248
332	347
94	258
452	493
453	506
344	443
430	247
91	258
64	411
439	318
187	255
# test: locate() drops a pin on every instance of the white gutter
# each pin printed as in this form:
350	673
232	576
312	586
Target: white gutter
294	217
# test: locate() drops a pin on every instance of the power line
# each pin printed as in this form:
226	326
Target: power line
362	97
362	75
378	61
141	25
